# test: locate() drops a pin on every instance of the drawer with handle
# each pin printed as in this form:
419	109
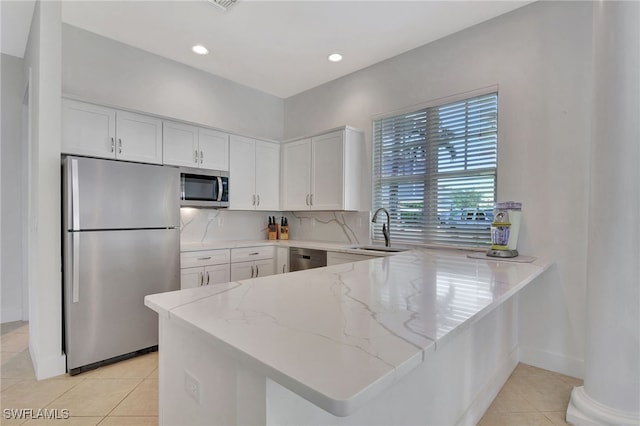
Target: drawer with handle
192	259
252	253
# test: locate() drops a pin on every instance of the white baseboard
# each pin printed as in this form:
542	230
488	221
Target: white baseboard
46	367
551	361
485	397
584	411
11	314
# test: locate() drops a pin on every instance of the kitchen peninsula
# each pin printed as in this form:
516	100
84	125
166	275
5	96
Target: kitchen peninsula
421	337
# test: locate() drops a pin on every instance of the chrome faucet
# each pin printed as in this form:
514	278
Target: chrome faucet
386	229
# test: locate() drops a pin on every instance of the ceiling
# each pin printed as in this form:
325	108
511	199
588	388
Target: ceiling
278	47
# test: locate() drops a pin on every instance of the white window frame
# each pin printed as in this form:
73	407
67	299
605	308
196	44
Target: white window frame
434	222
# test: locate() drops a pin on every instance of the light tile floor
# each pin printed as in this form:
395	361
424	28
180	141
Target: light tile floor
126	393
122	394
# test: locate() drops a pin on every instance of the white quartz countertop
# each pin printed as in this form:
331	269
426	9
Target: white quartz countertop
340	335
337	247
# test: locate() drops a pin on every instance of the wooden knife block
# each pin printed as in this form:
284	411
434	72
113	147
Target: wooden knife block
284	232
273	235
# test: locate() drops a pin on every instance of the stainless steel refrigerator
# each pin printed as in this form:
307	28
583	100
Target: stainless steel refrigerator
121	242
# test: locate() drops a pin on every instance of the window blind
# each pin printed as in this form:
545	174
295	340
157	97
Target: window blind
435	170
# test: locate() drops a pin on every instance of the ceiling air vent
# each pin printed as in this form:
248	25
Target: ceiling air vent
224	5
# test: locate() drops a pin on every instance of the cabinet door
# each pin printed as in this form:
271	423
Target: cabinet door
217	274
242	177
267	176
242	271
191	277
296	175
214	149
282	260
327	182
88	129
263	268
179	144
139	138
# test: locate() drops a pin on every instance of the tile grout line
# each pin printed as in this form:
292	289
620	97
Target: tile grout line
125	397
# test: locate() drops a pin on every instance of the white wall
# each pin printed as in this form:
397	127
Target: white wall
540	56
105	71
42	57
13	85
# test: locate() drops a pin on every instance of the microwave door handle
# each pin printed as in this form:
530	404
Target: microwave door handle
220	189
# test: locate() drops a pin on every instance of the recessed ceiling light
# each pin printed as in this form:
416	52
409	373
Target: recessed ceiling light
200	49
335	57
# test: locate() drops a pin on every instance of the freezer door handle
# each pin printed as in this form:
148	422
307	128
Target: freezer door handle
75	274
75	196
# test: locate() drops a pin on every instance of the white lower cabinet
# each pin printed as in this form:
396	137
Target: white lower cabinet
252	262
196	277
206	267
282	260
255	269
337	258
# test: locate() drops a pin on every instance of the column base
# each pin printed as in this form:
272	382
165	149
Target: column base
584	411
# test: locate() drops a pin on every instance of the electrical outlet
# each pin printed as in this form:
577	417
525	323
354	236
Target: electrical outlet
192	387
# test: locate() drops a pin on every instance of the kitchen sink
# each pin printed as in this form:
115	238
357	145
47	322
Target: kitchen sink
380	248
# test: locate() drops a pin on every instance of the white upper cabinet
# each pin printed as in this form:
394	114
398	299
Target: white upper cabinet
139	137
296	175
323	172
98	131
267	176
180	144
191	146
88	129
254	174
214	149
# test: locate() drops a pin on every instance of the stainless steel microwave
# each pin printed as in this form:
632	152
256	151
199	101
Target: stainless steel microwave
203	188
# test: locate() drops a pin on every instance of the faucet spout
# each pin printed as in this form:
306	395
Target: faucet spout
386	228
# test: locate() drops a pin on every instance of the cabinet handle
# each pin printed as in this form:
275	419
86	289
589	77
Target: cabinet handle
201	157
207	278
201	279
258	197
254	200
204	258
257	271
307	200
113	145
119	146
284	266
254	254
251	271
195	156
311	199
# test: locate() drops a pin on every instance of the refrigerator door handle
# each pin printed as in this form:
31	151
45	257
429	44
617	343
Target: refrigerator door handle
75	278
75	196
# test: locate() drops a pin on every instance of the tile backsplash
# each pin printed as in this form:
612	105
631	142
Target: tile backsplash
209	225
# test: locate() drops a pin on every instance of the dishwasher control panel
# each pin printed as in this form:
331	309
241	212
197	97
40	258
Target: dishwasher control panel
303	258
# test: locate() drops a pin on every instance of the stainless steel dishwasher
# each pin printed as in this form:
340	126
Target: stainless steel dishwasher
303	258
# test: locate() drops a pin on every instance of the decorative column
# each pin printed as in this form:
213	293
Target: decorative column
611	391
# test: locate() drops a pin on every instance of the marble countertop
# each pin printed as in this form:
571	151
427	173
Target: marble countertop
337	247
340	335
